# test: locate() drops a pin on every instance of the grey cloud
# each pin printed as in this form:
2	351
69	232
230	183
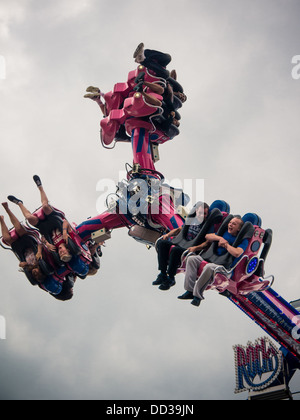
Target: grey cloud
121	338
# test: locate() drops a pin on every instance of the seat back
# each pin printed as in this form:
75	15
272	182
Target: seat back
52	222
20	245
214	217
23	243
222	205
253	218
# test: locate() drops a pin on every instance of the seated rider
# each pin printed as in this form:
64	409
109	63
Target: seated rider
157	61
59	287
31	259
153	60
195	286
169	255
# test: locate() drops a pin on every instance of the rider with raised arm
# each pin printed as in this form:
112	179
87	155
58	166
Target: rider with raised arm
46	221
31	258
195	285
53	225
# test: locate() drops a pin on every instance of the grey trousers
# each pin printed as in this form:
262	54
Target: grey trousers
191	281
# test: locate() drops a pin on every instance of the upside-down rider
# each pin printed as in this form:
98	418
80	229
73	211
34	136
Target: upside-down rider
55	229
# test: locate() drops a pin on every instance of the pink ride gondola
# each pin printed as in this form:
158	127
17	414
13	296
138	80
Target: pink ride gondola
248	273
144	111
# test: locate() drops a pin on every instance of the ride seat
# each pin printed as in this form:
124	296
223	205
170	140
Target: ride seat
20	244
222	205
253	218
175	85
111	125
46	226
247	275
215	216
267	241
148	77
115	98
218	211
136	105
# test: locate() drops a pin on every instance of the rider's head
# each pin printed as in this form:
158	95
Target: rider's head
235	225
64	253
37	274
202	211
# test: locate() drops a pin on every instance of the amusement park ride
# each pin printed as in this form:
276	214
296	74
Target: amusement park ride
143	111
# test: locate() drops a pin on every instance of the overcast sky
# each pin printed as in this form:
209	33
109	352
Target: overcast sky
120	337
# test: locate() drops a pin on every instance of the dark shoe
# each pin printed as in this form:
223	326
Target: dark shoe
37	180
196	301
172	281
186	295
166	284
13	199
226	293
160	279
